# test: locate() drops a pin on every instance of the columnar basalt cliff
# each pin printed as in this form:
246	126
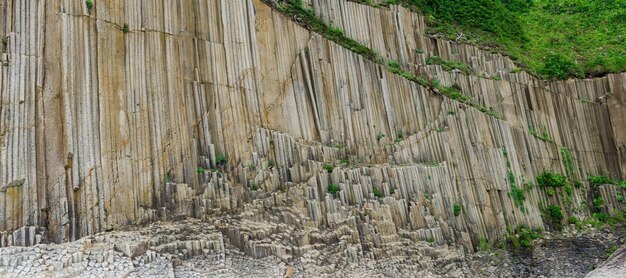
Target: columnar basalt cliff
131	112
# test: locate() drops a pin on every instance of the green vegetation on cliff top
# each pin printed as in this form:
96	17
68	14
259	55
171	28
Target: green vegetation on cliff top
555	39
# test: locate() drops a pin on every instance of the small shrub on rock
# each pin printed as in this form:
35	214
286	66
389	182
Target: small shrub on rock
333	189
527	235
329	167
377	192
457	209
555	214
600	180
221	159
89	4
551	179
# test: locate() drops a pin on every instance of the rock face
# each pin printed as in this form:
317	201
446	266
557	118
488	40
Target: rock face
136	111
613	267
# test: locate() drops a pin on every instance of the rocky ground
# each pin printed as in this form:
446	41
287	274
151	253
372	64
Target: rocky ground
192	248
615	266
562	255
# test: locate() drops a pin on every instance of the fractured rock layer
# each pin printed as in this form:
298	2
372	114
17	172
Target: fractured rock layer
196	249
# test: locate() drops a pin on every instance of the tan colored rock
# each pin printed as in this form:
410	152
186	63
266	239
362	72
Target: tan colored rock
101	129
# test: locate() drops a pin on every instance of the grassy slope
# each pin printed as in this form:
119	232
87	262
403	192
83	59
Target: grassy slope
589	38
555	39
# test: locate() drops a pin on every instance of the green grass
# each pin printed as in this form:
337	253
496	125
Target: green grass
575	38
457	209
543	136
598	203
593	220
555	214
517	193
600	219
380	136
218	172
551	179
519	196
5	43
399	136
329	167
221	159
600	180
555	39
523	236
333	189
454	92
568	163
511	177
484	245
577	184
527	235
449	65
377	192
345	161
168	179
569	190
574	220
394	66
